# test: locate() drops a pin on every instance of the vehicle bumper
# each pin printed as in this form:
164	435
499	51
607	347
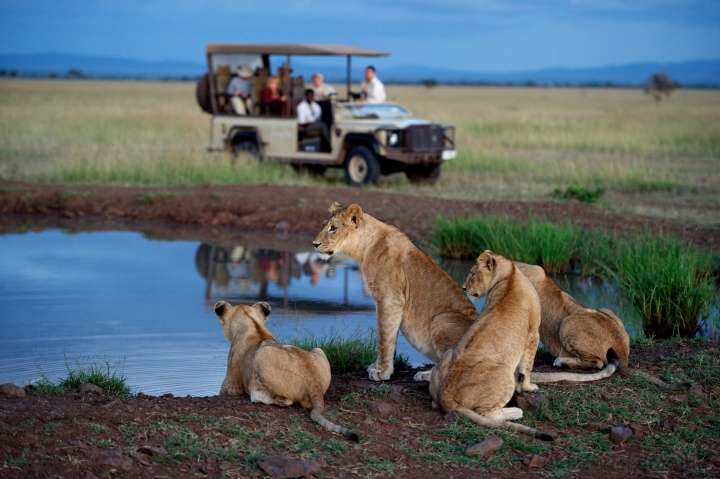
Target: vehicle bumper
449	154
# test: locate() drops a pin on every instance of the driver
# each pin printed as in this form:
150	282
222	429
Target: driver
309	113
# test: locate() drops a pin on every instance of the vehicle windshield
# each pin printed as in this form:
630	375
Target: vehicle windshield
383	110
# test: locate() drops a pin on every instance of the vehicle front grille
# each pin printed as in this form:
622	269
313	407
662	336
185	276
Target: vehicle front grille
425	137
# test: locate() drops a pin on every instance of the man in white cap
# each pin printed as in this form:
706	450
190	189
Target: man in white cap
240	91
322	90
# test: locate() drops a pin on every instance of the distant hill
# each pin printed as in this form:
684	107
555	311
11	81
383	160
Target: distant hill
704	73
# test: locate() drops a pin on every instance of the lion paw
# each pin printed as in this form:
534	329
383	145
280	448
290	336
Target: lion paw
423	376
512	413
378	375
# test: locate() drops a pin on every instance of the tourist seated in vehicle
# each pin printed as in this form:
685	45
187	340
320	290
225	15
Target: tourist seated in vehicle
309	116
273	98
240	91
372	89
322	90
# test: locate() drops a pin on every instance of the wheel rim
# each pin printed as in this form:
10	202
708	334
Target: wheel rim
357	169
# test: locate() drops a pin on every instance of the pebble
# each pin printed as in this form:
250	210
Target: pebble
485	448
619	435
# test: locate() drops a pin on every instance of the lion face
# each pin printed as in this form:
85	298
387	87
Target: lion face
234	317
481	276
338	232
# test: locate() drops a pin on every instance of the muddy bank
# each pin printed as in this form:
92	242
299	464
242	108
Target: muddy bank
288	209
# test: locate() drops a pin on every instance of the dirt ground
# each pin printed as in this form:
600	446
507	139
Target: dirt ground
302	209
94	435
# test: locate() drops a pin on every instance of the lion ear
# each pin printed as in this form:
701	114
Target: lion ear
335	207
220	308
264	309
353	214
487	260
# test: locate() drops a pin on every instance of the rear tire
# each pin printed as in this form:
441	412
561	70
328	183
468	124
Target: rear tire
424	174
361	167
245	150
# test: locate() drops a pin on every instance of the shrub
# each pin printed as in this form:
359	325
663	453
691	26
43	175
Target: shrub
579	193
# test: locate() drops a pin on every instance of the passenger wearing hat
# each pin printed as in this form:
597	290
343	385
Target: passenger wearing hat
323	91
240	91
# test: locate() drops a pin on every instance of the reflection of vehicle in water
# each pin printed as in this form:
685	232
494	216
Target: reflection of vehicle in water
254	274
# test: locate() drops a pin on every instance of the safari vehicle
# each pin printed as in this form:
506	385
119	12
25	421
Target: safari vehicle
367	140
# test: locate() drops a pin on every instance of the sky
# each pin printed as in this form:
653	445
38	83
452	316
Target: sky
482	35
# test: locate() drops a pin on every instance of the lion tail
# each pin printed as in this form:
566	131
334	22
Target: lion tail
613	364
626	371
483	421
316	415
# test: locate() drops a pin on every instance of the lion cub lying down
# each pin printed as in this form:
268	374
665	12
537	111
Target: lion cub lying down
581	337
493	359
270	372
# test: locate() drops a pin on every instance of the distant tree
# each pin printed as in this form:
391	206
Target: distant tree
13	73
74	74
429	82
660	84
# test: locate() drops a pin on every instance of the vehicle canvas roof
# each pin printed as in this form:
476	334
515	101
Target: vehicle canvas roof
292	49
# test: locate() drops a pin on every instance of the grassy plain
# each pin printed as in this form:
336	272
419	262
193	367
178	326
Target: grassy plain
652	158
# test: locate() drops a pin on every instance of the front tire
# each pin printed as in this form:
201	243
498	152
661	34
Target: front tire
424	174
361	167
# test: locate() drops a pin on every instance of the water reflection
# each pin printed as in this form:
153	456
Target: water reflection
148	304
298	280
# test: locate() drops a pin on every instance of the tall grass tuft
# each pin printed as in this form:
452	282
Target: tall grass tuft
670	283
97	371
537	242
347	354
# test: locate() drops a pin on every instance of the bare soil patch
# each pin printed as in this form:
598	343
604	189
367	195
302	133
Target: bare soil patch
94	435
292	209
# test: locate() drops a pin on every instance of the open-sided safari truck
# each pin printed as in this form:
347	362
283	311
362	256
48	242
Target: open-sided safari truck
367	140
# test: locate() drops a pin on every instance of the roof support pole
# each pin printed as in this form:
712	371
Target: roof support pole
348	78
288	94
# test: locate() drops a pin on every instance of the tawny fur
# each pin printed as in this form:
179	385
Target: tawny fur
580	337
271	372
495	356
411	292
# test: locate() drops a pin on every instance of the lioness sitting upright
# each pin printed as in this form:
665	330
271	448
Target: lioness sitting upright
411	292
270	372
581	337
495	356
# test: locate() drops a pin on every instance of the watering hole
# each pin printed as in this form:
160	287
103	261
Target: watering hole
144	307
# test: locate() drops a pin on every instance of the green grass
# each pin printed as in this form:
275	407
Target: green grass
537	242
513	143
671	284
347	353
95	370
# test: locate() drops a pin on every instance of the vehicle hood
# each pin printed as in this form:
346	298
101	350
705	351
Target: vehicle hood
383	122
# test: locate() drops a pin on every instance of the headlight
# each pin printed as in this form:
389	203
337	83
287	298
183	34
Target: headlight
393	139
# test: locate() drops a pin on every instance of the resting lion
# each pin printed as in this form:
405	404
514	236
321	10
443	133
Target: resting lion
270	372
411	292
493	359
581	337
